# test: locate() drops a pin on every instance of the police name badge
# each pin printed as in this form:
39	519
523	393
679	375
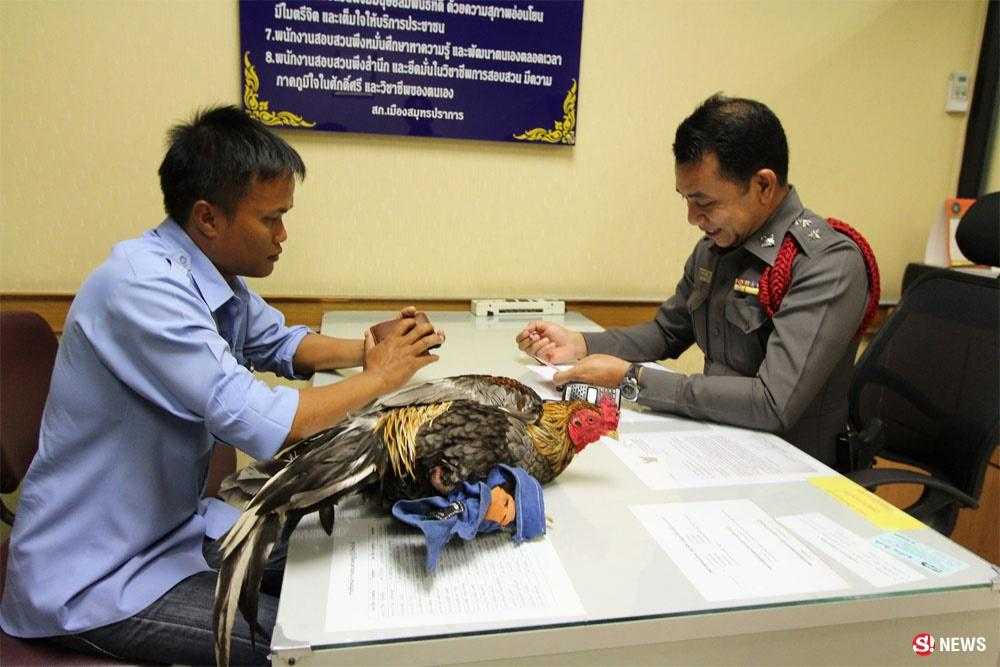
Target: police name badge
746	286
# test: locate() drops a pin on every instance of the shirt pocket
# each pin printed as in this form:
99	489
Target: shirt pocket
696	307
747	333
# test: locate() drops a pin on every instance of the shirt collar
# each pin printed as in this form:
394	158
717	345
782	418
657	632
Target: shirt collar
764	243
214	288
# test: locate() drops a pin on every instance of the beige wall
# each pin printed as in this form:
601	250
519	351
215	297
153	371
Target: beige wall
88	90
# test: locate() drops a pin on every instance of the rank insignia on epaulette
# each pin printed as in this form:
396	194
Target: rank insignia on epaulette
803	222
814	234
767	241
746	286
704	275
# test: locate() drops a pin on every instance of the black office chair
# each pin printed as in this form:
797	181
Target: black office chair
978	233
977	236
914	270
931	376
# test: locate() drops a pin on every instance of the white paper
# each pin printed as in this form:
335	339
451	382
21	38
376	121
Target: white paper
628	415
714	456
378	581
547	372
732	550
657	366
632	413
852	551
544	388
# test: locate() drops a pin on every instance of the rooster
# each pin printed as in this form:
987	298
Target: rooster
420	441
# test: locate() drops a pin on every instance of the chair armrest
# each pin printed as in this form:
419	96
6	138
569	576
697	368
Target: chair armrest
873	477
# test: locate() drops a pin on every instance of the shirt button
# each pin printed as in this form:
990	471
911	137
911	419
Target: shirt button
715	331
183	260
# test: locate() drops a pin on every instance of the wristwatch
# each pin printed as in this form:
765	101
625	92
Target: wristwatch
629	386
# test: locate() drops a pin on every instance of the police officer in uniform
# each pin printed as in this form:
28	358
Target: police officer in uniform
788	373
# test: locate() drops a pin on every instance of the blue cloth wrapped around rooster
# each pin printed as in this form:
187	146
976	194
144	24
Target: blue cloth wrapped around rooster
478	507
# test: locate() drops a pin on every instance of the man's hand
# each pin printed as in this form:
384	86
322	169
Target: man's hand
602	370
394	360
420	316
551	342
387	366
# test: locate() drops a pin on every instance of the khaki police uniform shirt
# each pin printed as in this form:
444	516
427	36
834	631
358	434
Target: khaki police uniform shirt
788	374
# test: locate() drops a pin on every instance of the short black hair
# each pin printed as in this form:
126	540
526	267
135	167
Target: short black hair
217	156
743	134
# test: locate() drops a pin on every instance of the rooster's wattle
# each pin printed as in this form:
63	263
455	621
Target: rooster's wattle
420	441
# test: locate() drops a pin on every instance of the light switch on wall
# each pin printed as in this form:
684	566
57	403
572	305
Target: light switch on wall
958	93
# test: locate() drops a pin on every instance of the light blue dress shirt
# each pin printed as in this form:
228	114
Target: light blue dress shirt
154	365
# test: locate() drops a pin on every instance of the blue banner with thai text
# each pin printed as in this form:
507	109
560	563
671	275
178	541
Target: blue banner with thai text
470	69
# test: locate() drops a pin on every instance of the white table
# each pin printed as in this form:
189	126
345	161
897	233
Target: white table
640	608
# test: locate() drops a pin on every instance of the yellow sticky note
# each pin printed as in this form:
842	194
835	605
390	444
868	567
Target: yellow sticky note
883	514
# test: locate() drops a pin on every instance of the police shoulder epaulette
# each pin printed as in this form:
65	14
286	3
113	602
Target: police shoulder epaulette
813	234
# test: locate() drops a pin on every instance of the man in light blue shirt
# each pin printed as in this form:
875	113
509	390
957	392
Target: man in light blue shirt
108	551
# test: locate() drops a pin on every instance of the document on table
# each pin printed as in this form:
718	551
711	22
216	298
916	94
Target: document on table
547	371
714	456
378	582
732	550
923	556
862	557
540	379
649	419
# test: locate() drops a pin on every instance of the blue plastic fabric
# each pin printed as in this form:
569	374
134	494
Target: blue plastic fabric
463	511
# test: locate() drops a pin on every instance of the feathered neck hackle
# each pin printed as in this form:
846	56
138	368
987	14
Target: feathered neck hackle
551	435
399	430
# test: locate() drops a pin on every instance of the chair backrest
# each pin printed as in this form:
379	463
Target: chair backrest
914	270
978	233
222	465
27	354
932	375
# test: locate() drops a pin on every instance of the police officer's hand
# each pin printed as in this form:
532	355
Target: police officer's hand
602	370
396	358
551	342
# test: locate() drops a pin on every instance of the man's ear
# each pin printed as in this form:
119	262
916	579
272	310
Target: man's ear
206	219
765	182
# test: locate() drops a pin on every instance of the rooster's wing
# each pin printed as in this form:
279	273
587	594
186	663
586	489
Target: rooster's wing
504	393
464	443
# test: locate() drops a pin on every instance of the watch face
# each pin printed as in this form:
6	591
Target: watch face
630	384
630	389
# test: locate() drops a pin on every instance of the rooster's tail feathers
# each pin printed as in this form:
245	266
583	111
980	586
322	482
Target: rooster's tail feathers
240	573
